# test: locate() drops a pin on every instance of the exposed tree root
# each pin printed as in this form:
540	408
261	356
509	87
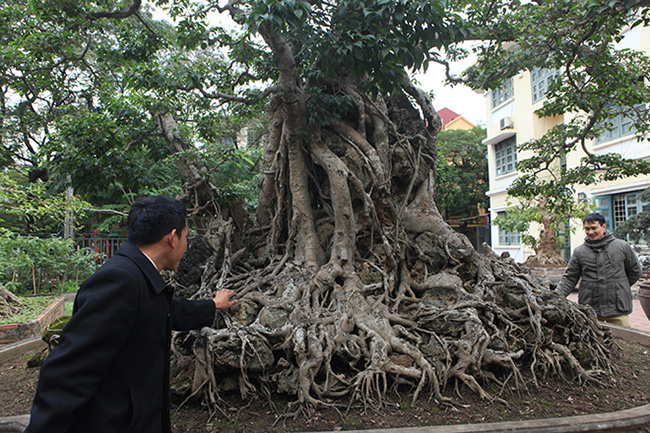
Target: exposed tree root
343	343
353	285
9	303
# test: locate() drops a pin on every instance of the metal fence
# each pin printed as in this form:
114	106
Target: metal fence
104	248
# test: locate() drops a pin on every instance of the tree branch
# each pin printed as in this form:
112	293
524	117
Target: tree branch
450	78
131	10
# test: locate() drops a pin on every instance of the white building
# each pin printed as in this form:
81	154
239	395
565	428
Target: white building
511	120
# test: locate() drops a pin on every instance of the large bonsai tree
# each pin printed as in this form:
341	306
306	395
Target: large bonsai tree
349	279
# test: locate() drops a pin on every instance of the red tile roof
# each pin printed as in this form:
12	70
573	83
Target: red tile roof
447	115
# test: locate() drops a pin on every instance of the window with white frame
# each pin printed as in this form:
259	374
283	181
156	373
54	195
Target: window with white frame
540	80
505	156
506	237
621	124
502	94
627	205
620	207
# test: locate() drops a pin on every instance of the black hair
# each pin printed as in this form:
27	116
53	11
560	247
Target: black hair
152	218
594	218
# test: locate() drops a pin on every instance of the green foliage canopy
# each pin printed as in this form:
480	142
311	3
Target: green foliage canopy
29	207
82	86
84	83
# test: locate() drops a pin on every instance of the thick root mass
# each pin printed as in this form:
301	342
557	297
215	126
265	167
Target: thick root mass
353	343
350	283
9	303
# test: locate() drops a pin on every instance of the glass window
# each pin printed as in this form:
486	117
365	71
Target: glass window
627	205
505	156
619	209
622	125
540	80
604	207
502	94
506	237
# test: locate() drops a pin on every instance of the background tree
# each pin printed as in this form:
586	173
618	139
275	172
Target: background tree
64	104
553	217
31	264
462	175
594	84
75	110
350	282
29	208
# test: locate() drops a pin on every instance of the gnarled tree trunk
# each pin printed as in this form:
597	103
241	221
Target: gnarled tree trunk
9	303
547	252
352	283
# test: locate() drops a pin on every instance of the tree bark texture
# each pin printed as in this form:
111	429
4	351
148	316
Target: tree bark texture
350	282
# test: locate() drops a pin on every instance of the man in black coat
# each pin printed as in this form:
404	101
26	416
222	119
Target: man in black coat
110	371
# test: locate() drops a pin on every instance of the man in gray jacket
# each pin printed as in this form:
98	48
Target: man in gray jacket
606	268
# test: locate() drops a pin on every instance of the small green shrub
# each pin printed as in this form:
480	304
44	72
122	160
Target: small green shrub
29	264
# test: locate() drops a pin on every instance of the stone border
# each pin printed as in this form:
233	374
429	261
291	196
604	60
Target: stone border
14	424
22	331
629	421
630	334
14	349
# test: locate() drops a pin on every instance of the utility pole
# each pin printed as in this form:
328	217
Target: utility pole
68	225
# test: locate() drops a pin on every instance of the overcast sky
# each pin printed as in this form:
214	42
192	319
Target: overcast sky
461	99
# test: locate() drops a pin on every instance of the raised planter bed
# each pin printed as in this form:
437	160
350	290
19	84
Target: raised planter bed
633	420
23	331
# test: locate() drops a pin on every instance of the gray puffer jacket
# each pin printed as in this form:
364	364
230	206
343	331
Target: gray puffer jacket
608	267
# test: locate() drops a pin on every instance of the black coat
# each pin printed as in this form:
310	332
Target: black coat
110	371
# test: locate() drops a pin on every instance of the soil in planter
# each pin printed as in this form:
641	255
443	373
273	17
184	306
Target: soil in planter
551	399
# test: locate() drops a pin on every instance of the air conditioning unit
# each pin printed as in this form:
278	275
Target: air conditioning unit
505	123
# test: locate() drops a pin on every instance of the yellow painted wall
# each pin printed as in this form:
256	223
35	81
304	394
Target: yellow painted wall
459	123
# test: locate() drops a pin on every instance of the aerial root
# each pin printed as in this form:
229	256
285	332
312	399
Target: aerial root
583	375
